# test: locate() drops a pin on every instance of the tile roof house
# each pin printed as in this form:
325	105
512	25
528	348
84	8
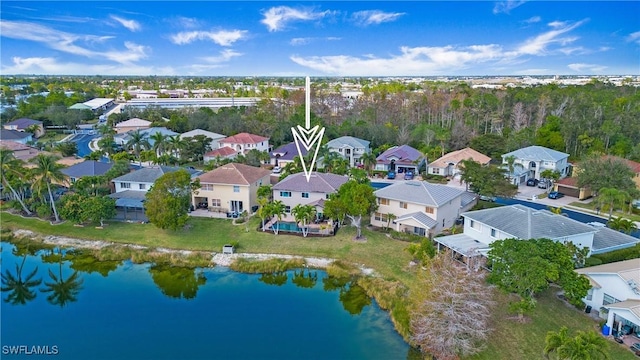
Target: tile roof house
294	190
351	148
132	124
86	168
285	154
17	136
20	151
23	123
230	188
447	165
401	158
243	142
482	227
533	160
615	293
215	138
222	153
419	207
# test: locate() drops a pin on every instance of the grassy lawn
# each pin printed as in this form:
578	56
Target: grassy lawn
635	216
510	340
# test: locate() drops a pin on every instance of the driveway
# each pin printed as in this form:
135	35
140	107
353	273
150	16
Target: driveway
82	141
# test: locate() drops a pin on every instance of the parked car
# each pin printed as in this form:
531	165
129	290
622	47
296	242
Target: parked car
277	170
408	175
391	175
555	195
487	198
532	182
635	347
543	184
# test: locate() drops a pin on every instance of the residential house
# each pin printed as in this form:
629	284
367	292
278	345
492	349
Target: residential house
286	153
132	125
244	142
531	161
20	151
96	105
17	136
23	124
349	147
615	293
230	188
215	138
86	168
448	165
483	227
131	189
148	133
221	153
418	207
294	190
402	159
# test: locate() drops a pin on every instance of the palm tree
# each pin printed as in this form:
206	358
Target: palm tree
555	340
278	209
19	288
265	191
585	345
175	144
390	218
10	165
138	142
159	143
369	161
62	291
46	171
264	210
304	214
622	224
610	197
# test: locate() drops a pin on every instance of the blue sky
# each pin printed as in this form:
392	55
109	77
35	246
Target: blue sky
330	38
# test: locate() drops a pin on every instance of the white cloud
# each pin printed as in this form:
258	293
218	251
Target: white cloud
277	18
225	55
132	25
539	45
187	23
533	20
587	68
68	42
506	6
374	17
221	37
50	66
308	40
634	37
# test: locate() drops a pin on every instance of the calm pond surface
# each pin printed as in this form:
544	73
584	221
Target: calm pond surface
84	309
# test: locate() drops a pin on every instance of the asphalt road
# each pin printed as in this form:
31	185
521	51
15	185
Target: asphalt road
82	141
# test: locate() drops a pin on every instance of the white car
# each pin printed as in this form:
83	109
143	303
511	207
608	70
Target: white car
277	170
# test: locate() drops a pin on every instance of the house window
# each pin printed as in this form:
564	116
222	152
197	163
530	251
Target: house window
206	187
435	171
142	186
305	195
474	225
382	201
125	185
590	294
380	217
429	210
285	193
236	188
287	209
493	233
608	299
216	202
326	196
403	205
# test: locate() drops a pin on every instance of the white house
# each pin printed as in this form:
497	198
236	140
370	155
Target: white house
244	142
531	161
418	207
447	165
615	293
215	138
483	227
294	190
351	148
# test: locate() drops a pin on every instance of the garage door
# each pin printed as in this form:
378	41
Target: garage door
569	191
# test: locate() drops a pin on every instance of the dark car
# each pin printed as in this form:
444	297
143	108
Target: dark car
555	195
391	175
635	347
532	182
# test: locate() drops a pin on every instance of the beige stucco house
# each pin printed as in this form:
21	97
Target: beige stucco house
296	190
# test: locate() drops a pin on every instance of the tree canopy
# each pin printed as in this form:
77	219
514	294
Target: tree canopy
353	200
167	203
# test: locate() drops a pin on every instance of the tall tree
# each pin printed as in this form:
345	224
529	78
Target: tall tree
277	209
138	142
597	173
585	345
167	203
369	161
47	170
353	200
452	309
610	197
12	167
304	214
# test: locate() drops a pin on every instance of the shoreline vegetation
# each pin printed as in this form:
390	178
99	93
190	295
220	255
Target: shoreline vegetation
380	265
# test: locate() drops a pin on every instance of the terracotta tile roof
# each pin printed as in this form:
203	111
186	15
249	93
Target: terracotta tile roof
463	154
222	152
20	151
244	138
631	164
234	174
569	181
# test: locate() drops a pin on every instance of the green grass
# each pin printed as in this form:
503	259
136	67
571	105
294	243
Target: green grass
635	216
510	340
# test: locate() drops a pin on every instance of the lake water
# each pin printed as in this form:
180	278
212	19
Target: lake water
120	310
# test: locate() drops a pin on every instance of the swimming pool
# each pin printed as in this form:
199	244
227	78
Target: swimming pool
287	226
379	185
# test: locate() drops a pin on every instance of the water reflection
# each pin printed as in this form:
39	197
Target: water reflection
20	289
177	282
305	280
62	291
277	278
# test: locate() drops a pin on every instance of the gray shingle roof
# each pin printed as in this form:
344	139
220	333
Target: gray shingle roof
24	123
526	223
13	134
151	174
608	239
87	168
467	198
348	140
419	192
420	217
537	153
318	182
129	198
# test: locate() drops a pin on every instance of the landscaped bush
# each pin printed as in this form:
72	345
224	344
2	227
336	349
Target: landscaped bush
434	178
617	255
592	261
398	235
44	211
266	266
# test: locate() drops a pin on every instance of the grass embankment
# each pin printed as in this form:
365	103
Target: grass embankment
510	340
591	207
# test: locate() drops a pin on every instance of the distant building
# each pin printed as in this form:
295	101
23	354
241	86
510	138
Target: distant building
23	124
285	154
243	142
531	161
447	165
351	148
401	158
215	138
86	168
132	125
17	136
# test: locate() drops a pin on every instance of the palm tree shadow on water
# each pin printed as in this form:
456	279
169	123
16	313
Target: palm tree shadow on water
20	288
61	291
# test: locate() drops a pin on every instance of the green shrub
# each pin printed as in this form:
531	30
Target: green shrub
266	266
592	261
619	255
44	211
